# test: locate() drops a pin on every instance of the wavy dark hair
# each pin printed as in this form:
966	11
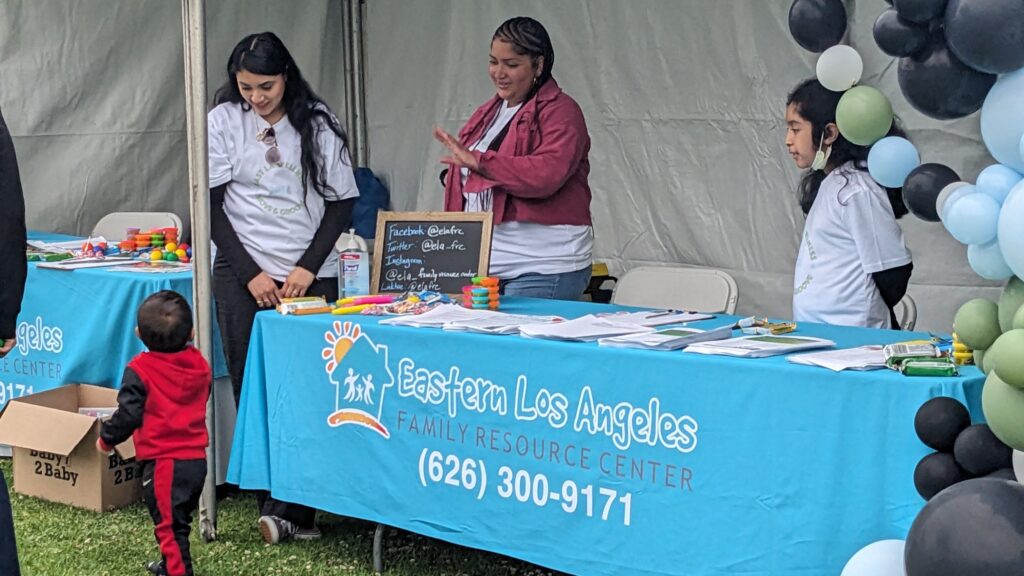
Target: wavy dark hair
817	105
528	37
266	55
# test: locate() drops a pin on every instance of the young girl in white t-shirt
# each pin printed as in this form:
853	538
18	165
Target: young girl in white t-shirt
281	192
853	265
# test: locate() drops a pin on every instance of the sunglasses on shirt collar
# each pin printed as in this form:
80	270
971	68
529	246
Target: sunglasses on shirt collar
268	137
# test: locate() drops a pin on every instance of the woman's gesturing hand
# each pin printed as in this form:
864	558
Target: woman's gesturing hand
459	155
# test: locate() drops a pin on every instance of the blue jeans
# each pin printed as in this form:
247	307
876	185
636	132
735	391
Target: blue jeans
564	286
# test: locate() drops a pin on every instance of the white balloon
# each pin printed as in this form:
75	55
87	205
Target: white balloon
944	195
840	68
1018	465
882	558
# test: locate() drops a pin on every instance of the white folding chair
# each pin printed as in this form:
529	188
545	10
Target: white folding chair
698	289
906	313
113	225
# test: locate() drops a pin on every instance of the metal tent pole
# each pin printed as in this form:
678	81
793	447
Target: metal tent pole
358	95
193	13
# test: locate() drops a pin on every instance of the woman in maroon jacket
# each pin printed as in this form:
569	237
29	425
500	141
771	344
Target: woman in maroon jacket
523	156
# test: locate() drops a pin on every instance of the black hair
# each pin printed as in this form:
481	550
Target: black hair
266	55
817	105
165	322
528	37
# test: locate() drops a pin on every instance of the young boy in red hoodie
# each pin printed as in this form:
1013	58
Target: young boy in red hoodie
162	405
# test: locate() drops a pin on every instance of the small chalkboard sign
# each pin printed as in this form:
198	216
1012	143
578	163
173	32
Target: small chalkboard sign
439	251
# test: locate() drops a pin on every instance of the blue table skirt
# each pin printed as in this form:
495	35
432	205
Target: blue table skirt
79	326
545	450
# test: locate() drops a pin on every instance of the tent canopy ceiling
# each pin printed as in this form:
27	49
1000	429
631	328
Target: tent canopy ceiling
683	99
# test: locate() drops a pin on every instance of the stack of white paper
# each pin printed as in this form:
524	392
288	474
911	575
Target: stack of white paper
862	358
439	316
760	345
500	323
656	317
65	246
671	339
583	329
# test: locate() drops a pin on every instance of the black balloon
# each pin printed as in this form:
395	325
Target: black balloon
898	37
817	24
987	35
938	84
920	11
975	528
1003	474
936	472
979	452
922	187
939	421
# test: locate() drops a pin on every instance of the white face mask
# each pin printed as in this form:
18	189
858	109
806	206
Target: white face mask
821	158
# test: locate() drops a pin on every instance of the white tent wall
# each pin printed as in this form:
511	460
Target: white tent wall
94	94
684	101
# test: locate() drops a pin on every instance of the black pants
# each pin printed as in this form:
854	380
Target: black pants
171	489
8	548
236	311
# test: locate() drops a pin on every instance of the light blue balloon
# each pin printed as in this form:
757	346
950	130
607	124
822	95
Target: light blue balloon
1011	231
987	261
891	159
973	219
957	194
1002	120
997	181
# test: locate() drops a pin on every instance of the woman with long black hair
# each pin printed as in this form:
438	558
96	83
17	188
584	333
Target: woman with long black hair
281	192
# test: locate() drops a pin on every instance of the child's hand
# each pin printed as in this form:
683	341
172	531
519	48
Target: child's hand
103	448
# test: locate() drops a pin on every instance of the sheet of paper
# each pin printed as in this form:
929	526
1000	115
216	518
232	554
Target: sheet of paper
499	324
76	264
760	346
861	358
438	316
670	339
584	329
67	246
657	317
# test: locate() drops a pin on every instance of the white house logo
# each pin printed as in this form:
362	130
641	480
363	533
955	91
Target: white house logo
358	370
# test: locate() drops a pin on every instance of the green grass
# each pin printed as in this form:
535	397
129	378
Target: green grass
58	540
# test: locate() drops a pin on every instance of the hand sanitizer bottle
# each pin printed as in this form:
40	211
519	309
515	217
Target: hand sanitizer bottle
353	267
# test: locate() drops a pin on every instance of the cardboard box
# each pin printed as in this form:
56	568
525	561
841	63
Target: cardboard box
55	456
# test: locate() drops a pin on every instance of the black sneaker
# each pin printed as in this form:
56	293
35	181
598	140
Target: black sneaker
156	567
275	529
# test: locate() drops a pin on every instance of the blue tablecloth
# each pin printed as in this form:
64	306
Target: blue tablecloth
586	459
79	326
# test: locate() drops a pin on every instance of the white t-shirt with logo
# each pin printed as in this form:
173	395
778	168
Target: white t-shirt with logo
265	203
850	233
518	248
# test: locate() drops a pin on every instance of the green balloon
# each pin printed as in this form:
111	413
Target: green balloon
1018	319
977	323
979	360
1006	358
1004	411
1010	302
864	115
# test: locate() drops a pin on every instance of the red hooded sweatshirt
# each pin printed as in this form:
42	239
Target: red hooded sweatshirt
162	404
